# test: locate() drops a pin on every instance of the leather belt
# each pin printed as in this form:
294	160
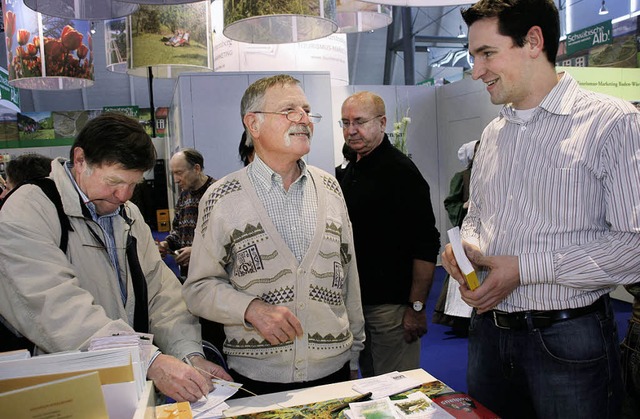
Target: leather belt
540	319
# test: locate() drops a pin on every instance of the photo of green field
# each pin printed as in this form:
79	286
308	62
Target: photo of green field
174	34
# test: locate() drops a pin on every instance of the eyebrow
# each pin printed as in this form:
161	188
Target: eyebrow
480	49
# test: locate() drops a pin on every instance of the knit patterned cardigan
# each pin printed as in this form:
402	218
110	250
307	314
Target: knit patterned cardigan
238	256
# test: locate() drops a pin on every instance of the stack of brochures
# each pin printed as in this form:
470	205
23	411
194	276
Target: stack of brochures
114	376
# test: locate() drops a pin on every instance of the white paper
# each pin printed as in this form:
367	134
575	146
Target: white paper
385	385
461	257
222	390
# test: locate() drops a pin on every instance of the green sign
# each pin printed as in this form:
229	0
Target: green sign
590	37
7	91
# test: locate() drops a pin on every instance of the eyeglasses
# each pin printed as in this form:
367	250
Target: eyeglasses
295	116
357	123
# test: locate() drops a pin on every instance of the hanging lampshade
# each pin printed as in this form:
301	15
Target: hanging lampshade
46	52
324	54
359	16
278	22
421	3
170	39
82	9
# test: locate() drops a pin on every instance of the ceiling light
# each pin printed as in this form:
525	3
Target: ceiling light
93	28
603	9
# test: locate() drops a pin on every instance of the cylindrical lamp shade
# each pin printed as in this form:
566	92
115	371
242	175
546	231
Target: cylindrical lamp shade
421	3
82	9
324	54
358	16
169	39
46	52
279	22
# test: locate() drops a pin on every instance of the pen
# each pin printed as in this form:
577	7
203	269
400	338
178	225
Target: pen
344	405
192	366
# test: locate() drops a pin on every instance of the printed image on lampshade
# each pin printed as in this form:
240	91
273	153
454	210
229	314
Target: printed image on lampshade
324	54
359	16
169	39
278	21
46	52
82	9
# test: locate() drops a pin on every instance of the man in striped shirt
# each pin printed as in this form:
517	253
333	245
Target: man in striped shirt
553	224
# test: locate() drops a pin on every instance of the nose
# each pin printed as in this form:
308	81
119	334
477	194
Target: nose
123	194
478	70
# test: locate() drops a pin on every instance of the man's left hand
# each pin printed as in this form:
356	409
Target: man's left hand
503	278
414	324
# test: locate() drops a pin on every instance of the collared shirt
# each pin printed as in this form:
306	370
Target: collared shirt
562	192
292	211
106	224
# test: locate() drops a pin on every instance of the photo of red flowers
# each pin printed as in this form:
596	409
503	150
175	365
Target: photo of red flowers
65	44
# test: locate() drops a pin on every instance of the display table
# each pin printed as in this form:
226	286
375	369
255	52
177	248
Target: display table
312	398
246	405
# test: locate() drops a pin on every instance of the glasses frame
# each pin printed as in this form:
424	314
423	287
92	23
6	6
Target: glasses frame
356	124
296	115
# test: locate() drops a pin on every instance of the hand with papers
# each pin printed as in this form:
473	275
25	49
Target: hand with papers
461	259
178	380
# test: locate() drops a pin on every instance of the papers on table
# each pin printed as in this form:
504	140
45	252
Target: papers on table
461	257
385	385
118	369
415	406
214	405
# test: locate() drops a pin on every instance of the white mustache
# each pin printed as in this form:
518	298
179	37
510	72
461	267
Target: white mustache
300	130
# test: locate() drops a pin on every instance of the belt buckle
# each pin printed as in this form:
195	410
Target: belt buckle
495	321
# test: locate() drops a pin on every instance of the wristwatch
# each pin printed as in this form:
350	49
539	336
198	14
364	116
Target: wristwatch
417	305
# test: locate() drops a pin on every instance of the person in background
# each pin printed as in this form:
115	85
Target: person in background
631	358
111	279
187	169
273	254
245	151
348	155
396	239
23	168
450	310
553	224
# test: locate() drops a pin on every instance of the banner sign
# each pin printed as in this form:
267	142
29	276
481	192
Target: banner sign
590	37
9	95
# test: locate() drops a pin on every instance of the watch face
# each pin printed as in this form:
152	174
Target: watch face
417	305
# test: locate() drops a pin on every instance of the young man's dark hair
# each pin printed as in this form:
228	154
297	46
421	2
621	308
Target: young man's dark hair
26	167
123	141
516	17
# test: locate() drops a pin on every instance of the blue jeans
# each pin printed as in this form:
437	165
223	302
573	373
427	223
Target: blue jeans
570	369
631	371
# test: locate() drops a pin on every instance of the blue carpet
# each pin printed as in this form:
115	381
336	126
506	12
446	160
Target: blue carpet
445	356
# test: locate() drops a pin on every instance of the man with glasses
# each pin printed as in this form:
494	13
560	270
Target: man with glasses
187	169
396	240
109	278
272	258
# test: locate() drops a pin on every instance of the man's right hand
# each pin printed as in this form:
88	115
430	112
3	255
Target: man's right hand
277	324
178	380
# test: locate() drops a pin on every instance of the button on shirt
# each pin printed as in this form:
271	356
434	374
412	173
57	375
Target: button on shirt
562	195
293	212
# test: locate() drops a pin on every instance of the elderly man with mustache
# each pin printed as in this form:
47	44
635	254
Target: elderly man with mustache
273	256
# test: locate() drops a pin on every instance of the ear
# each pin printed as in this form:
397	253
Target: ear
251	123
383	122
78	157
535	41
